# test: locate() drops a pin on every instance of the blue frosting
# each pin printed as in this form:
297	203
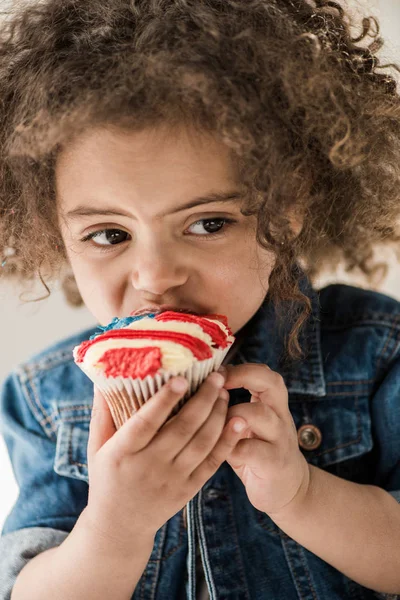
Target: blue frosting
117	323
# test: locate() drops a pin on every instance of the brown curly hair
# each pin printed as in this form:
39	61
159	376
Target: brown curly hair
299	102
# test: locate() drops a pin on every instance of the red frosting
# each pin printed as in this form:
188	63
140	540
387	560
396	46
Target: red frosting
131	362
221	318
200	349
218	337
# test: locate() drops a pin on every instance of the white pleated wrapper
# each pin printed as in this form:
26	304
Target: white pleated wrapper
125	396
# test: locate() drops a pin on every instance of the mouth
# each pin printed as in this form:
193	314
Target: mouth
161	309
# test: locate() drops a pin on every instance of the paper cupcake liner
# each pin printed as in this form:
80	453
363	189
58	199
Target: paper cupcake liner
125	396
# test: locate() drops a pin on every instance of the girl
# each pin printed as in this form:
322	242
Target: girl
214	156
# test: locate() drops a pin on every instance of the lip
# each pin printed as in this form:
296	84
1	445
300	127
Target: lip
162	308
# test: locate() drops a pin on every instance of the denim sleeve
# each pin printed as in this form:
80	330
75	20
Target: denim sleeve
48	505
385	412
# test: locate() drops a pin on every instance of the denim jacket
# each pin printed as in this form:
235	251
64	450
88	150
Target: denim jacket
345	400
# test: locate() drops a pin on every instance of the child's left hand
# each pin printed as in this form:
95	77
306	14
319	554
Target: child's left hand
267	459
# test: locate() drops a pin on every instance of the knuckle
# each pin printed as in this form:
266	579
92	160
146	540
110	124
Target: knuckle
213	461
266	411
264	367
278	379
142	422
261	367
202	445
184	426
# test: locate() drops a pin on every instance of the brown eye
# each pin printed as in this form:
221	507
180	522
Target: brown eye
209	226
107	237
115	236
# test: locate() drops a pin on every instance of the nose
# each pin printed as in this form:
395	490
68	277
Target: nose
158	268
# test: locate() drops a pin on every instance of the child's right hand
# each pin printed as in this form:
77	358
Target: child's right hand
144	473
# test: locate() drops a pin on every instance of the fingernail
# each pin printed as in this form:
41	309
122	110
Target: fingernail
239	426
178	385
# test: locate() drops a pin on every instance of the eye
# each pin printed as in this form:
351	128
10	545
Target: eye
107	237
211	226
207	228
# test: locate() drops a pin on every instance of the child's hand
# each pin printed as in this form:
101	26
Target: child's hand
269	462
143	474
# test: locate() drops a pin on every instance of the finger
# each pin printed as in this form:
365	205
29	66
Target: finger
138	431
204	440
102	426
264	384
253	453
262	420
222	449
179	430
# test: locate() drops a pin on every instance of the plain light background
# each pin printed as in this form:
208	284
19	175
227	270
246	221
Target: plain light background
27	328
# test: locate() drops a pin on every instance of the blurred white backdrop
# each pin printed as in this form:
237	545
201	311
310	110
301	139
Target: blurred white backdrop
30	327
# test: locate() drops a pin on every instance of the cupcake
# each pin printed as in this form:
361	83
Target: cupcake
132	358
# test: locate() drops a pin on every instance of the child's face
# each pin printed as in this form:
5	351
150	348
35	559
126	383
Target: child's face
155	252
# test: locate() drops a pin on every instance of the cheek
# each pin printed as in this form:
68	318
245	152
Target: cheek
100	288
252	263
241	284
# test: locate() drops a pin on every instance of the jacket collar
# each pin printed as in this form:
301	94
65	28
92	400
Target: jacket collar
263	342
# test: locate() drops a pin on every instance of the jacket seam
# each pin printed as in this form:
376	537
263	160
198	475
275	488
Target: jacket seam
35	400
286	542
49	362
388	340
349	394
238	551
75	419
357	382
356	440
386	321
53	358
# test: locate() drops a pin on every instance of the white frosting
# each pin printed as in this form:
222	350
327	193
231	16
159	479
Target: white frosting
229	338
192	329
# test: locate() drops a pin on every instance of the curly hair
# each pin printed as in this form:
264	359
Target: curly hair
283	84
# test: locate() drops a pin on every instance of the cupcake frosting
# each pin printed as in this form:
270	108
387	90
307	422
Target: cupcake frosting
142	345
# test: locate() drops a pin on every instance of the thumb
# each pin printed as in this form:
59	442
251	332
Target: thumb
102	426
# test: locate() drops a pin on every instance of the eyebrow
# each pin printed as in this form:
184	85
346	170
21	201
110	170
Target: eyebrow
87	211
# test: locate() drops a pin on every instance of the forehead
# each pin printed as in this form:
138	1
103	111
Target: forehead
162	168
117	153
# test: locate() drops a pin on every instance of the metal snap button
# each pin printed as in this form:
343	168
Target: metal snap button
309	437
